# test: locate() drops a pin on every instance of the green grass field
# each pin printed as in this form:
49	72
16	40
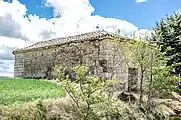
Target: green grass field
16	90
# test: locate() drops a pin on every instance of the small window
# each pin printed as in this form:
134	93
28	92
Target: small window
105	69
102	62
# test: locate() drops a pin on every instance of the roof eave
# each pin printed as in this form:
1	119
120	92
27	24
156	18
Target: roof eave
113	36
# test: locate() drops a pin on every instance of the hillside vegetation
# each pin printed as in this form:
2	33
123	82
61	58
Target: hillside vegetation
91	97
16	90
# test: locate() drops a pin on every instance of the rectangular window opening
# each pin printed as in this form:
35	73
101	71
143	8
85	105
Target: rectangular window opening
132	79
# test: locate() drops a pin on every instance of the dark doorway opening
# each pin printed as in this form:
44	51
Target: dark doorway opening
132	79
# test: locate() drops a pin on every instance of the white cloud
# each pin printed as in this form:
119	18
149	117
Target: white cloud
6	68
7	45
74	17
142	34
71	8
139	1
9	27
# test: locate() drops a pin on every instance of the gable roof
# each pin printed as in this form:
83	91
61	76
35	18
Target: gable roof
76	38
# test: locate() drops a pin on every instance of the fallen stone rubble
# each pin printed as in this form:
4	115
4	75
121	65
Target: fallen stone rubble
172	105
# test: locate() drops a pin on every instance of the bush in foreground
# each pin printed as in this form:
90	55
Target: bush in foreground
50	109
94	98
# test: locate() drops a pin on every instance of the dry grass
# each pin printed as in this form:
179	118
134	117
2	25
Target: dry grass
64	109
54	109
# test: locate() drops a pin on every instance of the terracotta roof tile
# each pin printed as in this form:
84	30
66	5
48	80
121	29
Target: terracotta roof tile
64	40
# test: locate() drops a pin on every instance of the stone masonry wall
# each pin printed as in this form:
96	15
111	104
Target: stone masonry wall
103	55
19	65
40	63
117	66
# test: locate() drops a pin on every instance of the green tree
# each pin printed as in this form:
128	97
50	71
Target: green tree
160	79
92	95
167	33
137	54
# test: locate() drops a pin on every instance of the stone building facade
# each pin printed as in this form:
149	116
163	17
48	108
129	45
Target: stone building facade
98	50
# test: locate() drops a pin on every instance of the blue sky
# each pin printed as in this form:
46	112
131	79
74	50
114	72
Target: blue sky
142	14
24	22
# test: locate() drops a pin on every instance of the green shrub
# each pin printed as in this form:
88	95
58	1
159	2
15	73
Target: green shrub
91	94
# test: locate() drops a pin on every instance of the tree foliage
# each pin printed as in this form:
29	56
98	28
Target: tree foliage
168	34
161	80
154	72
91	94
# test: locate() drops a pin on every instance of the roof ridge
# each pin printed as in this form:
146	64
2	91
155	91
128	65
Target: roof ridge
66	39
76	35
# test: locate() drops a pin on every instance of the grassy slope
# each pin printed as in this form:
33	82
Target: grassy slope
16	90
